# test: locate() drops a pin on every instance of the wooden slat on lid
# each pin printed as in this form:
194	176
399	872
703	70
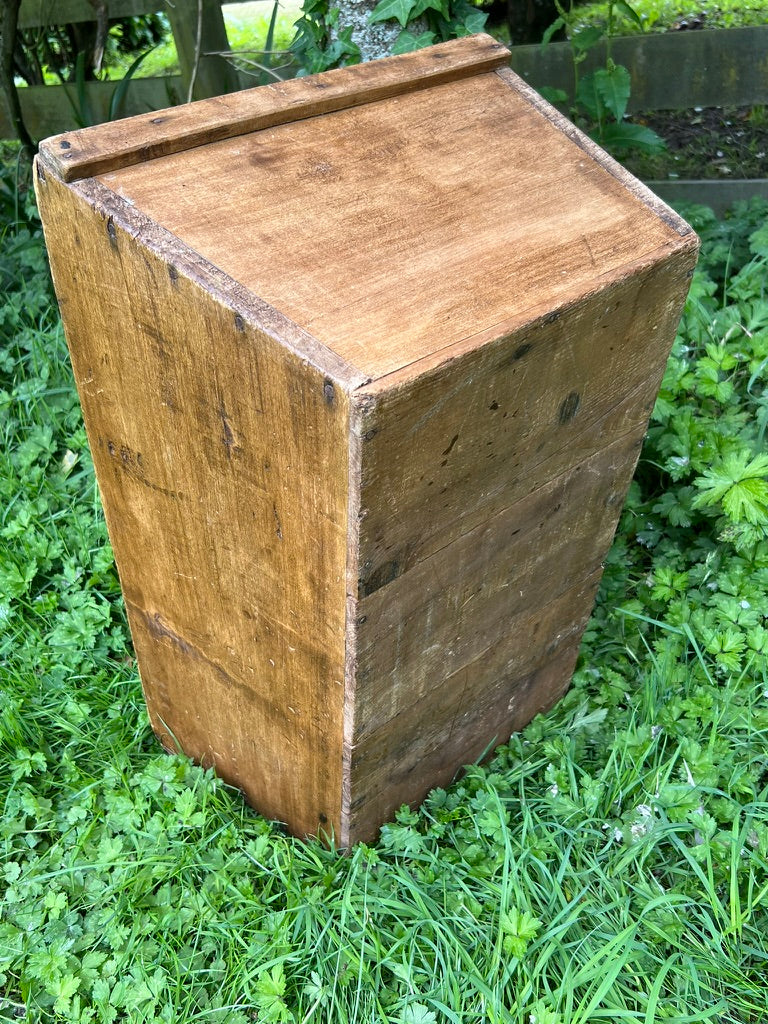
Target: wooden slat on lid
108	147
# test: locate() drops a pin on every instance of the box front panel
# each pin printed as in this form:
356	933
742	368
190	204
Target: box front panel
221	459
491	489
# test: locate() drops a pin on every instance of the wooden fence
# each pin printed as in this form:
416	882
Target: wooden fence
198	31
670	70
673	70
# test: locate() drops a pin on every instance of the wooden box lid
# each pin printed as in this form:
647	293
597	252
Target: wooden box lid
399	212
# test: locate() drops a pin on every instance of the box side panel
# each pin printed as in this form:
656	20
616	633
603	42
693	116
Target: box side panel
491	489
221	459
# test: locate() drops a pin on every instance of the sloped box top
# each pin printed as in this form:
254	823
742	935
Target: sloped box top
399	212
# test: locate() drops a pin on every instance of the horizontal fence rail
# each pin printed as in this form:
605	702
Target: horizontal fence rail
669	71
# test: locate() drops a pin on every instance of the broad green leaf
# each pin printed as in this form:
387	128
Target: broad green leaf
613	85
588	96
552	95
747	501
739	485
475	22
420	6
632	136
406	42
418	1013
624	8
556	25
389	10
586	38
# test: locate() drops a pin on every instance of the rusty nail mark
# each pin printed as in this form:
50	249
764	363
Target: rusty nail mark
111	232
239	323
64	144
329	392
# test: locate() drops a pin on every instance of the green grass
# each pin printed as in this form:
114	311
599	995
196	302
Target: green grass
247	31
662	15
609	864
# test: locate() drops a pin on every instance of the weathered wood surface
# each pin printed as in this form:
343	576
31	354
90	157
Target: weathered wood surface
480	550
118	144
395	762
669	70
221	457
379	381
405	239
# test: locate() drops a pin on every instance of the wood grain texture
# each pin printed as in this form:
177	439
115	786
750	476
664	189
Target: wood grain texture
464	599
391	233
480	552
106	147
426	748
221	456
499	421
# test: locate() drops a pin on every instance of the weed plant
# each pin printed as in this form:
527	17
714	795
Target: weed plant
608	864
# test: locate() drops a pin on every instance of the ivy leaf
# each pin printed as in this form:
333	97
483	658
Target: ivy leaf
406	42
737	484
387	10
475	22
420	6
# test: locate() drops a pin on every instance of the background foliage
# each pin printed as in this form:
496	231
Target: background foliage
610	863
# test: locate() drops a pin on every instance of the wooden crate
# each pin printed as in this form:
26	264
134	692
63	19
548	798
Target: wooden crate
366	360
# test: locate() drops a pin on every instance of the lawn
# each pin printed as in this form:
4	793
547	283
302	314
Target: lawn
247	27
608	864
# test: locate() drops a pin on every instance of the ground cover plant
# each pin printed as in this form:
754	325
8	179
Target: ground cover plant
609	864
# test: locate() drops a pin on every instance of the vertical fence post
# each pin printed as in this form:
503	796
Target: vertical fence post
198	29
